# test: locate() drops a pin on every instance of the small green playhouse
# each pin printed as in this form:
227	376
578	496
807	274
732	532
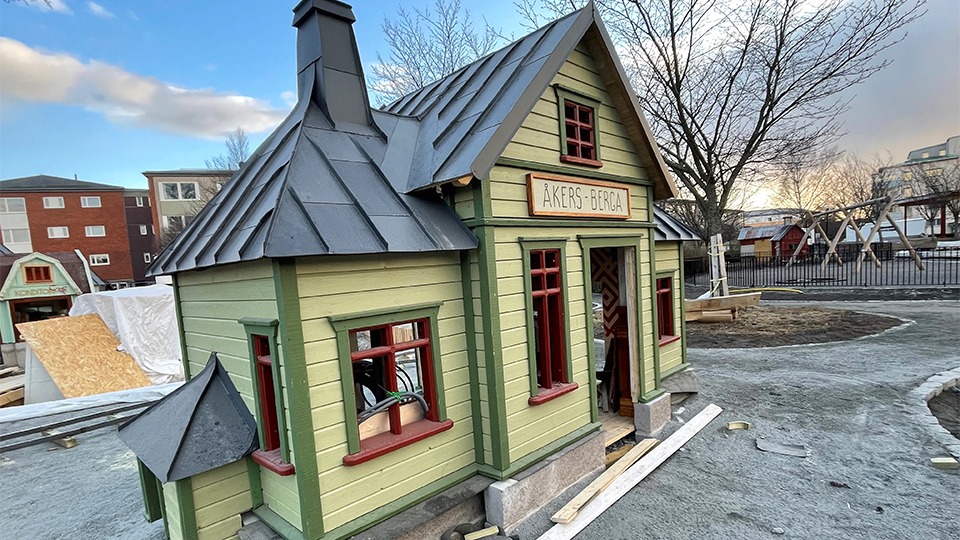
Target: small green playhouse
449	292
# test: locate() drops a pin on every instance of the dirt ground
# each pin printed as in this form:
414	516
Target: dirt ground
771	326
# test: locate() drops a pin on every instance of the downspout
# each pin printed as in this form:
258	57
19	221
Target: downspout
86	269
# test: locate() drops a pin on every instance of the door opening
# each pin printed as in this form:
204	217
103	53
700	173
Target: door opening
614	328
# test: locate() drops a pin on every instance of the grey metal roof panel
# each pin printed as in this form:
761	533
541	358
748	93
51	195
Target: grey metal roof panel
43	182
670	230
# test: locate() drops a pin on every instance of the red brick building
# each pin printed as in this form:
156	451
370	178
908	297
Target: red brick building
51	214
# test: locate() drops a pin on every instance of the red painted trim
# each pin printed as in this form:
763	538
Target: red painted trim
271	461
666	340
387	442
566	158
545	395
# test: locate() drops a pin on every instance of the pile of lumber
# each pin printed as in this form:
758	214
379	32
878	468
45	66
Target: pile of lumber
718	308
11	386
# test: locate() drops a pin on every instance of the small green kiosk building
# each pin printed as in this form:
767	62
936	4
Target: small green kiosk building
408	298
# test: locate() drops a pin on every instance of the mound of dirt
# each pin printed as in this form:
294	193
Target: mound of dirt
764	326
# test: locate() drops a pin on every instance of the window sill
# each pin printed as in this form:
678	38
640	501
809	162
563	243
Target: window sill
271	461
666	340
580	161
544	395
384	443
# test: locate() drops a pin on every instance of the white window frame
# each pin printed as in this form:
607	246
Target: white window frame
88	234
5	205
53	202
143	230
166	222
179	197
100	259
8	236
50	232
139	201
85	202
147	258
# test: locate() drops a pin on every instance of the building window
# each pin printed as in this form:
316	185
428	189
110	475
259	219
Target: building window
16	236
53	202
174	223
139	201
37	274
13	205
274	453
665	315
90	202
179	191
578	128
147	258
95	230
933	172
100	259
390	373
58	232
143	230
548	349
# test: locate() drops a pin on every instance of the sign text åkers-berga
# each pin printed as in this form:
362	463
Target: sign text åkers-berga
550	195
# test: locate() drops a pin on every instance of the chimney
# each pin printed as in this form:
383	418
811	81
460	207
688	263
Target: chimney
328	63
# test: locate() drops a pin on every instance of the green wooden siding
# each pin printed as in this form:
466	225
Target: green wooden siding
211	304
343	285
668	263
172	515
219	497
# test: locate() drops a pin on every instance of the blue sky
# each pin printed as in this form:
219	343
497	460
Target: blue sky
107	90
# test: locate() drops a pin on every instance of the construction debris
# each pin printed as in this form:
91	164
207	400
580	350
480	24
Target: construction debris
738	424
945	462
797	450
11	386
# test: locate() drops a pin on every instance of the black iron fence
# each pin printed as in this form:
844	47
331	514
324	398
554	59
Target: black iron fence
897	268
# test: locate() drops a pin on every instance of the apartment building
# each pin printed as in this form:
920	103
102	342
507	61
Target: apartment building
179	195
140	231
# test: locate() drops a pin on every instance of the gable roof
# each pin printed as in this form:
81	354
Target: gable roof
470	116
69	264
669	229
43	182
774	232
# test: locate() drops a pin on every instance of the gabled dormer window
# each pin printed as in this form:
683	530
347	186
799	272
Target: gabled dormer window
578	128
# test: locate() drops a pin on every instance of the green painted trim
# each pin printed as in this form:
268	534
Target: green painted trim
526	246
482	191
343	324
674	369
151	489
295	372
267	328
185	360
653	303
391	509
391	314
650	396
539	455
564	93
256	488
188	510
570	171
682	307
470	329
493	350
578	223
278	524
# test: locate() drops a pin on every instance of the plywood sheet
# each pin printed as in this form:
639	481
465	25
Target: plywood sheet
81	356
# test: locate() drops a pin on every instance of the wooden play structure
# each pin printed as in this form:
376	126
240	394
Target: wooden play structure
720	307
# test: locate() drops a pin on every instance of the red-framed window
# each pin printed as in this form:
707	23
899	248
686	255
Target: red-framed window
665	313
37	274
580	133
392	372
549	332
268	399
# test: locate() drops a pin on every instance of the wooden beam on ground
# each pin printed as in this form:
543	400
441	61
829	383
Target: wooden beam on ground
616	434
632	476
12	383
718	316
11	397
873	232
72	421
15	370
723	302
570	510
832	246
906	242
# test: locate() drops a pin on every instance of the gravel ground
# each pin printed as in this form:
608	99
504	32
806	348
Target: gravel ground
91	491
847	403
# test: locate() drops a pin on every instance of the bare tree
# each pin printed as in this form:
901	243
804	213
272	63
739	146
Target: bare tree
731	86
805	181
427	45
238	150
854	180
941	182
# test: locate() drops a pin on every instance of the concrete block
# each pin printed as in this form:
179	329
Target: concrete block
650	417
683	382
508	502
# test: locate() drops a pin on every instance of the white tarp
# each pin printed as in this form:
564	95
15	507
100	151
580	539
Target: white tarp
134	395
145	321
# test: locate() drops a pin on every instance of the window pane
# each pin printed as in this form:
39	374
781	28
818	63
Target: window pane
188	191
585	134
536	260
573	149
553	281
369	376
408	371
552	258
170	191
90	202
572	132
404	332
569	110
584	115
13	205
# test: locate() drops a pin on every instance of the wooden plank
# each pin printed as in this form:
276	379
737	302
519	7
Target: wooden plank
906	242
723	302
722	263
613	435
632	476
832	248
873	232
9	398
570	510
803	239
12	383
860	238
612	457
716	317
15	370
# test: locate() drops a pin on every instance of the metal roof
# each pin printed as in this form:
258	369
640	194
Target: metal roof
773	232
190	172
44	183
198	427
669	229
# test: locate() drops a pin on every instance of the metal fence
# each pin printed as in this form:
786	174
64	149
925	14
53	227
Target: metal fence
897	268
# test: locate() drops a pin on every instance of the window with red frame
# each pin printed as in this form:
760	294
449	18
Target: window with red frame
267	397
580	136
548	327
37	274
665	308
392	373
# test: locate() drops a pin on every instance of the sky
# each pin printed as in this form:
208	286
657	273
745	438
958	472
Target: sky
106	90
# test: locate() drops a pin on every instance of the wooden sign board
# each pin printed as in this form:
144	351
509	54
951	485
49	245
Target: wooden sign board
564	196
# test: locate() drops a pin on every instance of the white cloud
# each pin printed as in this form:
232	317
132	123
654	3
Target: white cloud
99	10
56	6
127	98
289	97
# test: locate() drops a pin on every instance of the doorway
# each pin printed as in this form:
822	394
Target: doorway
613	285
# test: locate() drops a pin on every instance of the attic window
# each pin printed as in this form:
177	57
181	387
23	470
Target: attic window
37	274
578	128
